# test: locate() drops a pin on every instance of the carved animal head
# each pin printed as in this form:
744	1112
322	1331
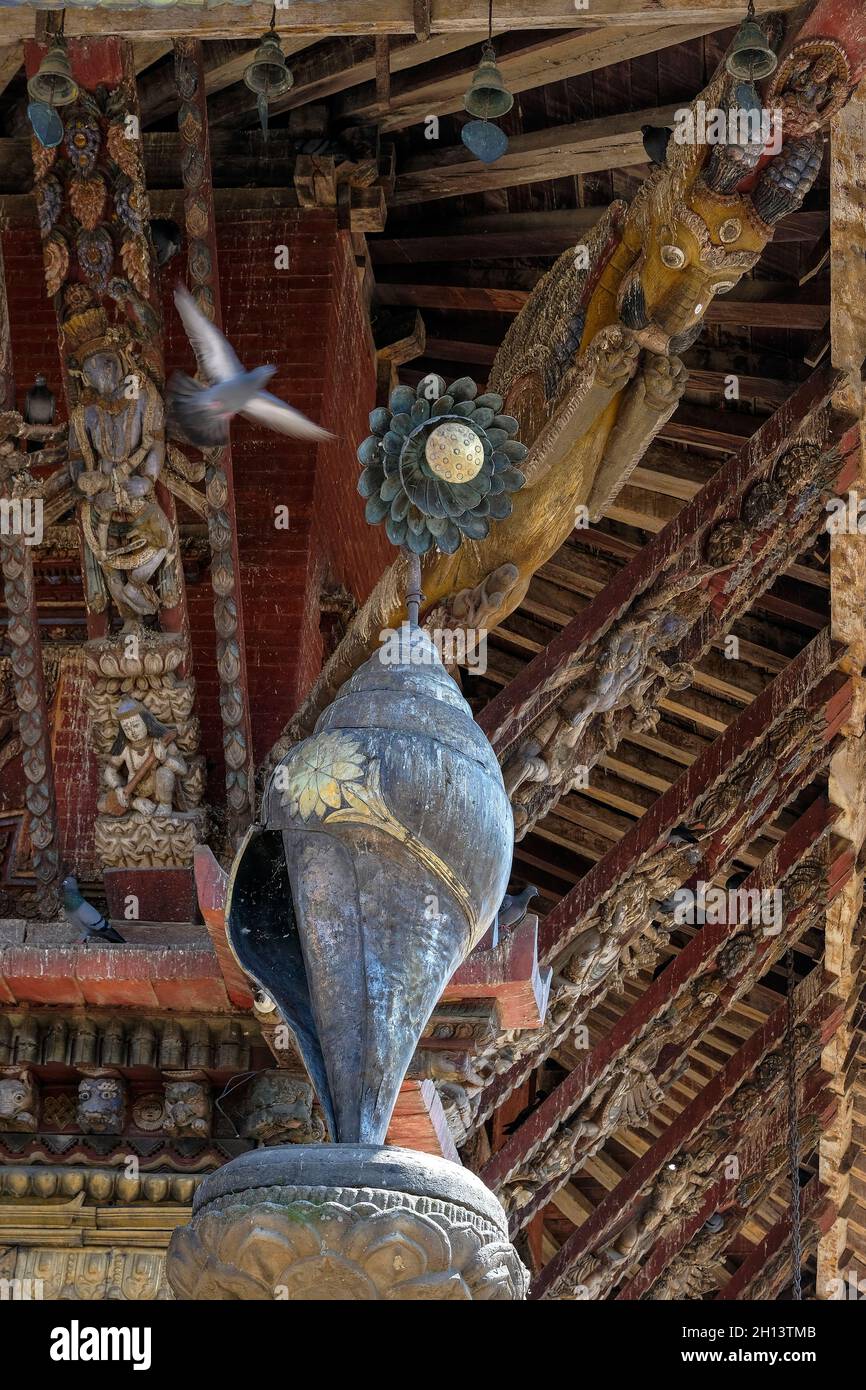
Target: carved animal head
276	1104
187	1109
101	1105
19	1102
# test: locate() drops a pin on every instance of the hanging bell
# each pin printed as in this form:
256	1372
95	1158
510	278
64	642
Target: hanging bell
53	84
267	74
488	97
750	54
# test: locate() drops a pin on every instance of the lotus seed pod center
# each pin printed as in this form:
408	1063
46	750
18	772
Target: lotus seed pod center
454	452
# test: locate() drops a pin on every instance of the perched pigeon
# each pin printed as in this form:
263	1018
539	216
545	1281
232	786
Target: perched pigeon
200	414
167	239
656	139
84	916
512	910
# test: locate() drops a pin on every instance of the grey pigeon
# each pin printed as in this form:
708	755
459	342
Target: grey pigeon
512	910
200	414
84	916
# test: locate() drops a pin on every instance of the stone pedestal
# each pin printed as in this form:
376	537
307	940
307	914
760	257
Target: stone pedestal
164	895
344	1222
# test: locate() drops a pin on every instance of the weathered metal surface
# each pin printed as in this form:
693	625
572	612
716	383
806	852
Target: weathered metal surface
383	855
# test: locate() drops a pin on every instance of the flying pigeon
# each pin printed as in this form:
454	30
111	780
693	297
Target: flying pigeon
656	139
200	414
512	910
84	916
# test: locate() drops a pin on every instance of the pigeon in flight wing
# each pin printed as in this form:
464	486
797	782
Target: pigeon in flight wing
200	413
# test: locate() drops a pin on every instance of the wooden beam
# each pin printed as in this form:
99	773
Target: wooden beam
519	234
372	17
332	68
224	64
11	62
694	959
848	619
583	147
525	63
747	313
620	1202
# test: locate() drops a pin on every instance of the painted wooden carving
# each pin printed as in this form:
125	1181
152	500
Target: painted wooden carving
590	368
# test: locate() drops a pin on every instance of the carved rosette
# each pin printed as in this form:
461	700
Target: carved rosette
348	1223
147	666
204	286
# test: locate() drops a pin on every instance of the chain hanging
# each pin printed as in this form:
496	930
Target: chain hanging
793	1132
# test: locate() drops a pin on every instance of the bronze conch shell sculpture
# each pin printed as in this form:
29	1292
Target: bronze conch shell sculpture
383	854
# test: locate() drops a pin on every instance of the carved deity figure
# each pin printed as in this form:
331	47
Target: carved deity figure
116	451
143	766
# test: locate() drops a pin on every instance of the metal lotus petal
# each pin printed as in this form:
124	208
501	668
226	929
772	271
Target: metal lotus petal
402	423
380	419
368	452
376	510
401	400
397	835
396	531
476	527
490	401
370	481
393	443
482	416
419	542
420	412
443	406
463	389
507	423
500	506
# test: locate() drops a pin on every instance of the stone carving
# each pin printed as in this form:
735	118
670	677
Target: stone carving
19	1101
92	1275
277	1108
188	1109
45	1181
253	1239
102	1105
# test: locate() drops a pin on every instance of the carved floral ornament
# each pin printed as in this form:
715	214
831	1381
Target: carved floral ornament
341	1246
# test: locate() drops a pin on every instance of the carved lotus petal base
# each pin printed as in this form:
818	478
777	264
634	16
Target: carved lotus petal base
344	1222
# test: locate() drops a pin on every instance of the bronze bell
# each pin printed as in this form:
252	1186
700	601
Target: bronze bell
751	55
488	97
267	74
54	84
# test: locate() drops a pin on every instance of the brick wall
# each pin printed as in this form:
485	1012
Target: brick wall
308	322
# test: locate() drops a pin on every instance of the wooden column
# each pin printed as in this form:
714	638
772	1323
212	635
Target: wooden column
221	516
23	632
848	624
